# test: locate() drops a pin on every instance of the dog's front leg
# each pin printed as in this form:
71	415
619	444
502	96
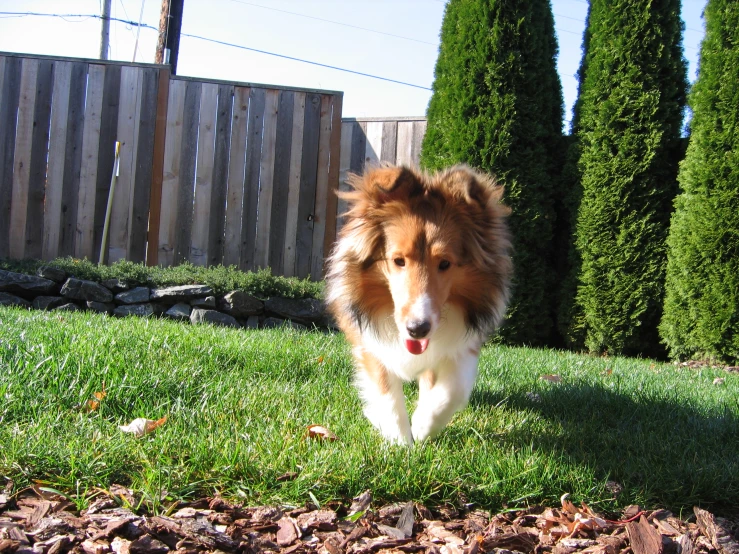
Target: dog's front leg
441	393
384	402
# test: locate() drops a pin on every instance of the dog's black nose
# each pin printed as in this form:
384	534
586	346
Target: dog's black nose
418	329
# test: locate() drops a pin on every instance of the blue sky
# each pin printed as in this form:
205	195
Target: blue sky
395	39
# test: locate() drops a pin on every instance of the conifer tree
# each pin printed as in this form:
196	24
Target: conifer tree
701	313
631	110
497	106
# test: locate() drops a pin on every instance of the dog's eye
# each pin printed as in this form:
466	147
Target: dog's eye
400	262
444	265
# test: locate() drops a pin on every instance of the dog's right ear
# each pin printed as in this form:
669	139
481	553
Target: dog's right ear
384	184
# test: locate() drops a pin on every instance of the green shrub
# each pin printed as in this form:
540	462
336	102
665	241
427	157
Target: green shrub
701	313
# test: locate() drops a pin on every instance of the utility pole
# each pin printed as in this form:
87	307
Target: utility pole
105	32
170	25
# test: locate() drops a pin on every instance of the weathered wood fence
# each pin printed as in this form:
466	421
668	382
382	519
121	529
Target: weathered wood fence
210	172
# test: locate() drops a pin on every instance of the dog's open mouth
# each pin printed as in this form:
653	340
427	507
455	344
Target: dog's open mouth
416	346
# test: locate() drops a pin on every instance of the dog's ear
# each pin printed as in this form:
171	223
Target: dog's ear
472	187
387	183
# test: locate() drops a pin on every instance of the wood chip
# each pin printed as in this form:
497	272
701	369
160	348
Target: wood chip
718	532
644	538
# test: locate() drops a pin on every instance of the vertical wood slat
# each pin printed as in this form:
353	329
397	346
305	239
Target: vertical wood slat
389	141
171	172
419	130
266	178
220	175
157	178
10	85
293	187
22	159
345	159
333	173
236	167
257	97
404	154
321	196
204	174
359	147
308	177
374	143
84	244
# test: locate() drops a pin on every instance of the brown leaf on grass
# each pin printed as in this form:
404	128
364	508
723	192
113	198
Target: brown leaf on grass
94	403
320	432
551	378
142	426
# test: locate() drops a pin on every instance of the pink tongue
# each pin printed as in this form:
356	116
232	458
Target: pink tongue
416	346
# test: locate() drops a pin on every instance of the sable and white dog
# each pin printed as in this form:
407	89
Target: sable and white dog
417	281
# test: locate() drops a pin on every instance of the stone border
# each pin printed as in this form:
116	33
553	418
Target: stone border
53	289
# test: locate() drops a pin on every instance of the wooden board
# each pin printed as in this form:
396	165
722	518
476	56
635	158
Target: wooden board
10	80
157	177
281	181
333	173
171	172
266	178
419	130
204	174
255	130
236	167
220	175
345	160
389	141
405	143
84	244
322	192
359	148
293	192
374	143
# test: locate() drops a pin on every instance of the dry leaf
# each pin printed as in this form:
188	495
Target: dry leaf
142	426
319	360
719	381
92	405
551	378
320	432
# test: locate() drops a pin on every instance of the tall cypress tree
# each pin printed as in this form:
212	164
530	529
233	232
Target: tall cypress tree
631	110
701	315
497	105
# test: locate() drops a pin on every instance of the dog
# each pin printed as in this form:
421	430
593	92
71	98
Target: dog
417	281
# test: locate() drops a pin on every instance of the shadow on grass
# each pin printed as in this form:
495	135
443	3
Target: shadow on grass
674	454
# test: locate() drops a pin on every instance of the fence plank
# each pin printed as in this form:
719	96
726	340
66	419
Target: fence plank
308	177
405	143
73	159
293	192
374	143
266	178
141	192
389	141
220	175
419	130
251	178
171	172
204	174
281	181
322	192
183	229
9	99
345	161
84	244
55	170
236	167
333	173
106	151
359	147
22	160
157	177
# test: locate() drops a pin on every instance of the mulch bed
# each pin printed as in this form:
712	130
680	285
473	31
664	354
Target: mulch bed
38	521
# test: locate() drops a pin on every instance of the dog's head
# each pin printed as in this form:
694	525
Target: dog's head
429	241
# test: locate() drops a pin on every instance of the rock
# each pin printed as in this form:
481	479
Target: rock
252	322
240	304
80	289
180	311
199	315
306	310
100	307
273	322
209	302
52	273
48	302
25	284
184	293
116	285
7	299
68	307
141	310
139	295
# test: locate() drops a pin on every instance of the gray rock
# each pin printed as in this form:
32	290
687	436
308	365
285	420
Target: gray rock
21	283
101	307
180	311
48	302
306	310
252	322
7	299
141	310
160	309
68	307
240	304
139	295
52	273
209	302
184	293
80	289
199	315
116	285
273	322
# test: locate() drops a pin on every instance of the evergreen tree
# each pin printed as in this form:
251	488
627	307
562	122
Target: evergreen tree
701	314
497	106
631	110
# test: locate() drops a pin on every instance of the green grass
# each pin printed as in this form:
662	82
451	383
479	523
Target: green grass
238	403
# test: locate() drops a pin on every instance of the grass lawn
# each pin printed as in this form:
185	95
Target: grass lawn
238	403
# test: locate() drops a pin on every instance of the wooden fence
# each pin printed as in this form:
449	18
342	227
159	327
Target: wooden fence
210	172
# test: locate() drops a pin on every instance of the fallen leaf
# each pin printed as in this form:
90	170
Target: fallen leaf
319	360
551	378
142	426
719	381
320	432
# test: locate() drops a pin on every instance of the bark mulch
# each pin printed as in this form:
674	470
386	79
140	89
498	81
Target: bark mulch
38	521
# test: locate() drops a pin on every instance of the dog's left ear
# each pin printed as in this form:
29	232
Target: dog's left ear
472	187
388	183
